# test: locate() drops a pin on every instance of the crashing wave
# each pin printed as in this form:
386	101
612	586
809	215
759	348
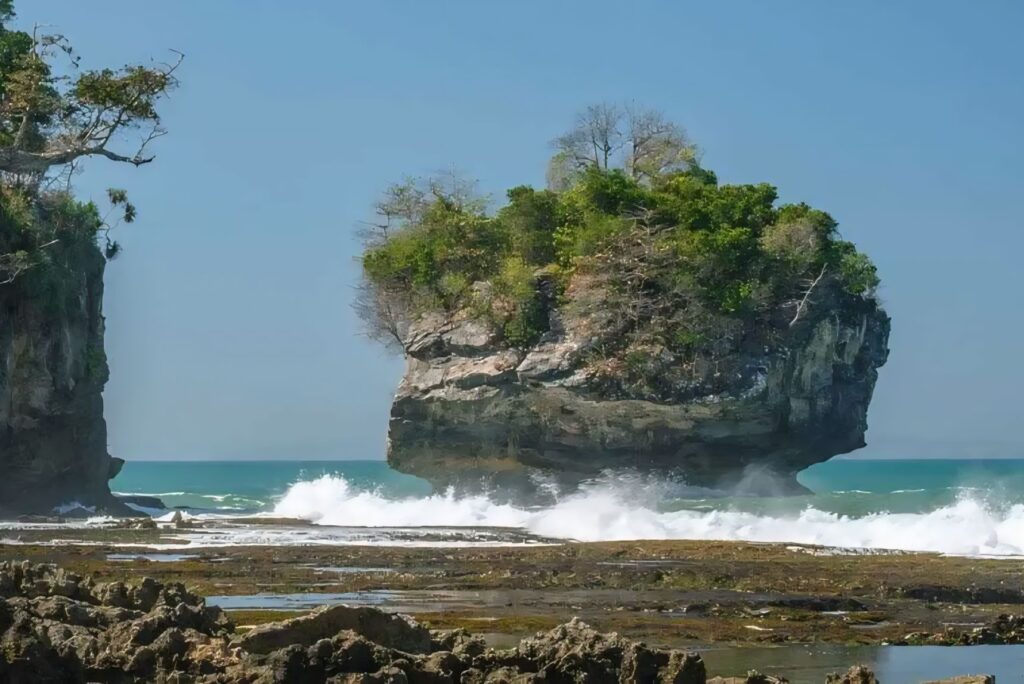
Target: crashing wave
608	511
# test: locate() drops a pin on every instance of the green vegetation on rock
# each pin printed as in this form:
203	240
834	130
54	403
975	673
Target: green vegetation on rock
632	220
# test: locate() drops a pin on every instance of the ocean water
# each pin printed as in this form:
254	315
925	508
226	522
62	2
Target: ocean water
963	507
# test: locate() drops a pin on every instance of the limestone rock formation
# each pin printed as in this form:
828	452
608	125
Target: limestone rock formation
53	438
472	411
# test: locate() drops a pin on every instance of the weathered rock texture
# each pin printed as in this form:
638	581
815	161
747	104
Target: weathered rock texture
470	410
58	627
53	439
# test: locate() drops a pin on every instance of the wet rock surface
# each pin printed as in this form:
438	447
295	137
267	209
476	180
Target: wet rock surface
57	626
60	627
1005	629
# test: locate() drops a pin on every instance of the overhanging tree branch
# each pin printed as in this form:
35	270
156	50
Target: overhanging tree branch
71	120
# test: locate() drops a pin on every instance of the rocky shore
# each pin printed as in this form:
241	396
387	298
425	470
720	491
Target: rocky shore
673	594
57	626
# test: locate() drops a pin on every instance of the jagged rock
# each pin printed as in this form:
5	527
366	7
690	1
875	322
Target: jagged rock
1005	629
58	627
502	675
752	677
472	412
575	652
858	674
53	439
458	641
391	631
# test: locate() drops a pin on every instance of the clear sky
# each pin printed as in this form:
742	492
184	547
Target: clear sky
229	328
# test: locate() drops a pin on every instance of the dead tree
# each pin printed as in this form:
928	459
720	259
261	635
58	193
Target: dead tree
802	305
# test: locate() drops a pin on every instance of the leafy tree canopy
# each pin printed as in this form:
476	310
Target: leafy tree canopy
657	241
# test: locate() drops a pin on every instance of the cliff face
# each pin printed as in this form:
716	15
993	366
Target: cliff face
53	438
471	411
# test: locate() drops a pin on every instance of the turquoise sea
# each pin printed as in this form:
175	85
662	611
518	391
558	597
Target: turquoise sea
971	507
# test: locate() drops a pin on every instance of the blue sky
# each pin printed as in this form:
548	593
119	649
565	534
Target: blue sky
229	329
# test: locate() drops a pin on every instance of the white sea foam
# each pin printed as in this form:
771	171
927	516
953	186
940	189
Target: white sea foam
151	512
73	507
608	511
156	494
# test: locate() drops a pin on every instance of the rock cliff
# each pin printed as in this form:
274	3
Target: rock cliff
53	438
472	411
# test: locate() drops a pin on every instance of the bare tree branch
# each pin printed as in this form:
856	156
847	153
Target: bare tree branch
15	264
807	295
385	312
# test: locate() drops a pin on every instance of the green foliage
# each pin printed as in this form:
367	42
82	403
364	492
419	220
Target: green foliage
132	90
44	242
676	253
595	210
588	237
609	192
95	361
856	271
15	46
439	255
529	222
515	280
47	239
749	206
46	99
515	303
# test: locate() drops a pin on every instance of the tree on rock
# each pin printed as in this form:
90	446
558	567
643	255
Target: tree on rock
50	118
605	136
53	115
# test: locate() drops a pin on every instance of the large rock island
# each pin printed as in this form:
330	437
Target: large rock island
645	317
471	410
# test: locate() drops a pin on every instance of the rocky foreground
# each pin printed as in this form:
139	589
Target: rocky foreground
57	626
